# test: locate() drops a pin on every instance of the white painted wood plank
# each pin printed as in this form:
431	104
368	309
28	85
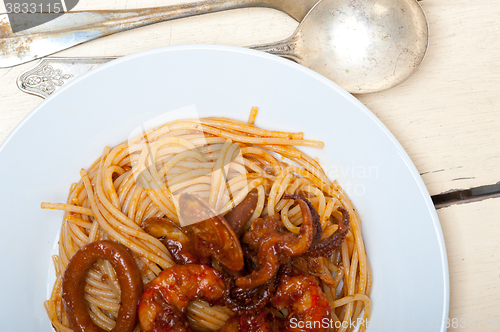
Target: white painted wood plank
447	116
471	235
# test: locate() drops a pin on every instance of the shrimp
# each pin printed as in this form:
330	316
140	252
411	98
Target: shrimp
258	322
231	325
308	307
162	307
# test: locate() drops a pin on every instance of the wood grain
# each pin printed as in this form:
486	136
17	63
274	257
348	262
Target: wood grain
447	117
471	236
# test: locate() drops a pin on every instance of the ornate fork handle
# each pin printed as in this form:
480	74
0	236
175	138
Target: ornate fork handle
49	74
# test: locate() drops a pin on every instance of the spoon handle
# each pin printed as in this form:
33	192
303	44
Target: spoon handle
285	48
74	28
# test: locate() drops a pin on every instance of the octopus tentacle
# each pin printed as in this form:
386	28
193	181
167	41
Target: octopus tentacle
276	246
238	216
174	239
246	301
326	247
302	242
210	233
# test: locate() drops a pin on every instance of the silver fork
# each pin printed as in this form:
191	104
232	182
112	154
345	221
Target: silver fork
75	28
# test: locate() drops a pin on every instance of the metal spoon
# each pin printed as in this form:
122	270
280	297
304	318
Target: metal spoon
363	46
75	28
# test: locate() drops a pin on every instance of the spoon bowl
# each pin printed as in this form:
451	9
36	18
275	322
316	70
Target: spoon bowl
363	46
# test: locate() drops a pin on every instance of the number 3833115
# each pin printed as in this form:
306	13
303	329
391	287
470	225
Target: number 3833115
15	7
471	323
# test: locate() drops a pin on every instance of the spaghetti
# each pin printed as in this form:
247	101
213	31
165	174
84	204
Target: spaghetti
221	160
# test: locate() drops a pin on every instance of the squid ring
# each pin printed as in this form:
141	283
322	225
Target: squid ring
73	284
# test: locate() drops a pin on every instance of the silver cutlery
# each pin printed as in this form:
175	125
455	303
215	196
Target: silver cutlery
74	28
364	46
51	73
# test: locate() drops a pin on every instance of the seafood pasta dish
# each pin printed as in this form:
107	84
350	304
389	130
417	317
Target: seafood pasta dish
209	224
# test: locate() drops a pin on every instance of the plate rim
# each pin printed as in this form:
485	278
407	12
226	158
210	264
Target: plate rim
349	97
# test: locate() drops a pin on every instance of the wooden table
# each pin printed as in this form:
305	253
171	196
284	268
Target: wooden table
447	117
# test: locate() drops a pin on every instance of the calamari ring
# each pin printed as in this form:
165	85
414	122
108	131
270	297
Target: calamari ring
73	285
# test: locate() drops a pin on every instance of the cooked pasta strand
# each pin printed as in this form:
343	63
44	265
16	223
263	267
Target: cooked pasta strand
221	160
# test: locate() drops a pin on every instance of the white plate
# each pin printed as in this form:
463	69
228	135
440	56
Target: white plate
68	131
